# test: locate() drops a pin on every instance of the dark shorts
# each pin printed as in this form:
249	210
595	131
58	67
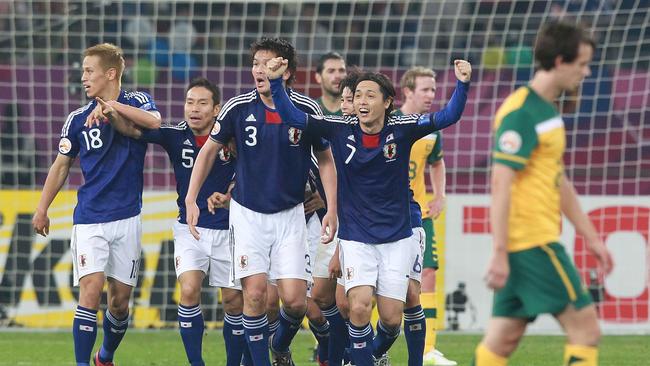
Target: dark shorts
542	280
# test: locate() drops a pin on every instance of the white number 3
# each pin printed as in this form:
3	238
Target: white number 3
251	139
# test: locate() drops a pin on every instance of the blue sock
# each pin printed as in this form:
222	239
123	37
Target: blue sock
233	336
273	326
322	334
288	328
191	326
347	357
256	329
415	330
339	338
84	333
384	339
361	345
246	359
114	330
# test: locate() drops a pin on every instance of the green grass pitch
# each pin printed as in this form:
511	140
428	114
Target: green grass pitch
163	347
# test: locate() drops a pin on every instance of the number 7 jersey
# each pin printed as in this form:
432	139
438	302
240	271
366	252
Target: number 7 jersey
111	164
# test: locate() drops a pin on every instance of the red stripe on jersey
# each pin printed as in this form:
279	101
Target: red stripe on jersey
370	141
272	118
200	140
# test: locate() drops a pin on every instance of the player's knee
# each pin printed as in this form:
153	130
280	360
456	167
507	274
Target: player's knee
119	306
323	299
413	295
190	293
360	308
233	303
295	306
585	334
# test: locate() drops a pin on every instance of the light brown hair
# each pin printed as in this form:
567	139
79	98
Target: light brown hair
110	56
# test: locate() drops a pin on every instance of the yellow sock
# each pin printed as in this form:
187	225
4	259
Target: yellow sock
429	305
575	355
484	357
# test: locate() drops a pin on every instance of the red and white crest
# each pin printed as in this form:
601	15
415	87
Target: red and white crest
224	154
82	260
349	273
294	135
178	261
390	151
243	261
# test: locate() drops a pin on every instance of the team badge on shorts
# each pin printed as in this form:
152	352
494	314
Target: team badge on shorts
349	273
82	261
390	151
243	261
178	261
294	135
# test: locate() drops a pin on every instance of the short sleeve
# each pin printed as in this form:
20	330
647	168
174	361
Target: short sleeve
436	153
320	144
69	144
143	100
514	140
223	129
155	136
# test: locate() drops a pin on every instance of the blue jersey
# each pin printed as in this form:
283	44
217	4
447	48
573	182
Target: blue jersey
273	158
416	213
372	170
182	147
111	164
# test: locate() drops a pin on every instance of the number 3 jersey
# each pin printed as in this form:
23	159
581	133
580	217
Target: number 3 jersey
273	159
183	147
111	164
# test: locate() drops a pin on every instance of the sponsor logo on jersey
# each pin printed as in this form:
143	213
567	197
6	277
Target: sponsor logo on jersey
424	120
187	142
294	135
216	128
390	151
351	138
349	273
510	142
224	154
251	118
390	137
82	261
243	261
65	146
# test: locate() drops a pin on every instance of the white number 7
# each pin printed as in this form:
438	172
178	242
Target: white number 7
352	151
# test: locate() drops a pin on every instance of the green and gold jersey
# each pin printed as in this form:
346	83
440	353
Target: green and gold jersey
426	150
530	138
327	112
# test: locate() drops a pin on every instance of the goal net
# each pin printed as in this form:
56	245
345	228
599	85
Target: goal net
168	42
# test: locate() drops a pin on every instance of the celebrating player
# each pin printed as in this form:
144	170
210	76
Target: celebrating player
419	89
266	210
194	258
529	267
371	150
106	230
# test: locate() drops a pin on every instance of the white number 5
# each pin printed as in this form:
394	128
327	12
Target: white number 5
188	159
252	135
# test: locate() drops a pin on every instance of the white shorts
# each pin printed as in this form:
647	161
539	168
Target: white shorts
385	267
109	247
274	244
211	254
417	244
319	253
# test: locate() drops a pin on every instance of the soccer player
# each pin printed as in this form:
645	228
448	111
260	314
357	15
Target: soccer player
266	210
371	151
529	269
106	230
330	70
419	89
210	255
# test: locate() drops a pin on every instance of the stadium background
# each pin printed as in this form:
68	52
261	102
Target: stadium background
168	42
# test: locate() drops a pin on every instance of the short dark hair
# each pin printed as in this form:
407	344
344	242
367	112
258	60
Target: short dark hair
205	83
328	56
560	38
385	85
350	80
281	48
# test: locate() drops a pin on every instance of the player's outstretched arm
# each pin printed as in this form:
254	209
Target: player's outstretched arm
202	165
452	112
56	177
571	209
498	267
121	124
327	171
140	118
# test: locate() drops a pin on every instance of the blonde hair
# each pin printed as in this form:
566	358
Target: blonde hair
408	79
110	56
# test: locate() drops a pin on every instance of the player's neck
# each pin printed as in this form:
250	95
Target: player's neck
201	132
331	102
407	108
111	92
543	83
267	100
372	128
